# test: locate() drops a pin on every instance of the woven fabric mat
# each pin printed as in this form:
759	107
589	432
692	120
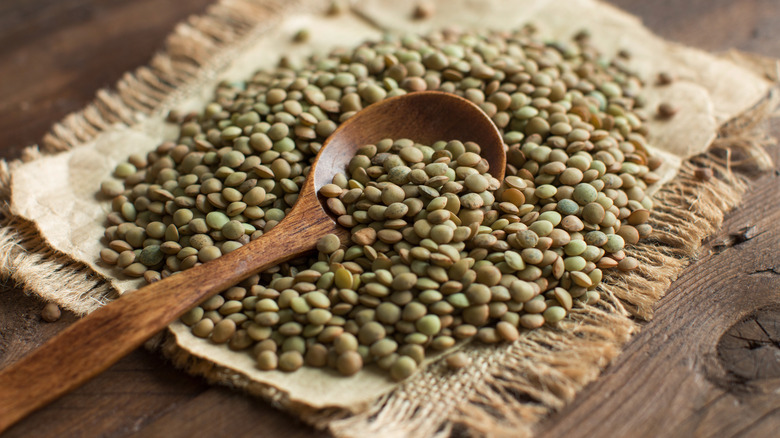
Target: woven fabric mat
52	227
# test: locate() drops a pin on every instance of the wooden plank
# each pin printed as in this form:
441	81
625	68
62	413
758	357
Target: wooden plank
137	390
218	410
57	53
21	326
714	25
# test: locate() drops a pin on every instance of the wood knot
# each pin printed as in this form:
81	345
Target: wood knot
750	349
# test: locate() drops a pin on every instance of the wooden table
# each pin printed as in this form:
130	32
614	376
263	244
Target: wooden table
671	380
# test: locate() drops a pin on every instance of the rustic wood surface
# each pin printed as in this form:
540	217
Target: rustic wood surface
707	365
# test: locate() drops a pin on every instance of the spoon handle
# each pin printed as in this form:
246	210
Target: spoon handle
95	342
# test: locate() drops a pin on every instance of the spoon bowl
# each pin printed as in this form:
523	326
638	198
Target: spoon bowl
98	340
424	117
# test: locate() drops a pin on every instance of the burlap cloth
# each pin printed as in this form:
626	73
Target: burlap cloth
53	222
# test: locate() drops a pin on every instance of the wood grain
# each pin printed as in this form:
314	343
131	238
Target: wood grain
750	349
57	53
54	55
714	25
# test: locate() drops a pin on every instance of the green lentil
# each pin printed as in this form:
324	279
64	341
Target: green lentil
349	363
614	243
223	331
545	191
575	263
233	229
267	360
585	193
203	328
402	368
554	314
575	247
290	361
428	325
328	244
216	220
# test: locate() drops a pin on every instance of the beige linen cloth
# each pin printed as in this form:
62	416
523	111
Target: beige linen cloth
54	221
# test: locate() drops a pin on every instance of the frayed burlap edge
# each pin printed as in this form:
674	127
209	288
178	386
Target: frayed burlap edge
508	388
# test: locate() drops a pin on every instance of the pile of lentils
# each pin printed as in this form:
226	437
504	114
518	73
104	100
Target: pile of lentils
440	251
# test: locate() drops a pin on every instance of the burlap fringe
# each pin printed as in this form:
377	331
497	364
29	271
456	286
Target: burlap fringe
508	388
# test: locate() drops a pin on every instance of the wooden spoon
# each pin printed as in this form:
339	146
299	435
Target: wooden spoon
95	342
